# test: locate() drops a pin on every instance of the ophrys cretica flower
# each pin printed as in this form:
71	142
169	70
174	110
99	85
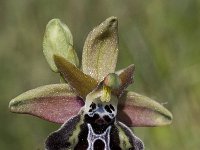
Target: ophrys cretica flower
92	104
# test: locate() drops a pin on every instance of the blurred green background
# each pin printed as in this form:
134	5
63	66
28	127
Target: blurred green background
162	38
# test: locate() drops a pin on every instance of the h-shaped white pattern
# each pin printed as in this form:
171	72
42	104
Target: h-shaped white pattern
92	137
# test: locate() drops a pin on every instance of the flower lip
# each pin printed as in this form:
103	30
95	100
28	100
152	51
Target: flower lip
101	121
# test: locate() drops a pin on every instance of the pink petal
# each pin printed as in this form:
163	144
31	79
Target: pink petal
56	103
137	110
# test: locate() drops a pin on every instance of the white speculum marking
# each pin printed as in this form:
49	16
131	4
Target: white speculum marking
104	137
100	110
100	106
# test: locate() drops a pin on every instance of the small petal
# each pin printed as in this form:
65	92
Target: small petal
138	110
58	40
56	103
126	77
101	49
83	84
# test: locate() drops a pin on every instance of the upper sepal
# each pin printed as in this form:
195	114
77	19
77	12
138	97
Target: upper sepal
58	40
137	110
56	103
100	50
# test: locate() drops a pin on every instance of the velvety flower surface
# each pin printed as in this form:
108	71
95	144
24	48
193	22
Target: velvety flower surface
92	104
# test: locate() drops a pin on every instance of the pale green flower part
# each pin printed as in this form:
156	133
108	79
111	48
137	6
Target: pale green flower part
58	40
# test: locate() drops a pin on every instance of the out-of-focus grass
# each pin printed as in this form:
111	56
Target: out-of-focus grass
160	37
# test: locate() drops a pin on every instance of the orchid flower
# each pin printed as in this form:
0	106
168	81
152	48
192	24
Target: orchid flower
92	103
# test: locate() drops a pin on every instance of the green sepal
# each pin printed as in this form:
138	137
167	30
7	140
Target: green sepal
58	40
100	50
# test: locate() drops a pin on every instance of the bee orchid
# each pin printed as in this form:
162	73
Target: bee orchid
92	103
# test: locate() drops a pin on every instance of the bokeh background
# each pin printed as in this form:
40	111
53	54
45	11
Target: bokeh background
162	38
